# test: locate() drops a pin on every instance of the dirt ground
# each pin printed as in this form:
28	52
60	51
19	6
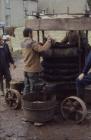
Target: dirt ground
12	126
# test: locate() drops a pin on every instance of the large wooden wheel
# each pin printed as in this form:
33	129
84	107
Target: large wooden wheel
13	99
73	108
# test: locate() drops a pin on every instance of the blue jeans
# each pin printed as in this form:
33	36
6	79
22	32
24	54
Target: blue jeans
81	84
30	81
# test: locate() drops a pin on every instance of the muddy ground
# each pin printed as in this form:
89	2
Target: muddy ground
12	126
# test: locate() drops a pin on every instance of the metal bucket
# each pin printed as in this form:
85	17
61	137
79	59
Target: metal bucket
39	111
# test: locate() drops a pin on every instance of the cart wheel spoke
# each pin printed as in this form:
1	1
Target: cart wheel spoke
79	112
66	108
69	102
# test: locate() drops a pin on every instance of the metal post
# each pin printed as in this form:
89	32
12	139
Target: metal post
38	38
43	34
80	53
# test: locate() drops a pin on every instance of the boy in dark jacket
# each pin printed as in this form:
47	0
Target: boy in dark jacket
5	61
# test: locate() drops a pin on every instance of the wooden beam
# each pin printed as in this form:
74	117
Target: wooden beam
83	23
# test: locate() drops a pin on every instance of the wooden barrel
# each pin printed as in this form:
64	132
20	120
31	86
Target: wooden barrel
39	111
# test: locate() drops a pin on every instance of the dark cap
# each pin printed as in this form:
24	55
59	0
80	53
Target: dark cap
27	31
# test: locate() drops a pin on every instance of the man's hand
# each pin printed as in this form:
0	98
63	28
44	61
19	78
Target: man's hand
81	76
49	39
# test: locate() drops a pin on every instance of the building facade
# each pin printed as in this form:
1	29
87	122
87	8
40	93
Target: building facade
13	12
63	6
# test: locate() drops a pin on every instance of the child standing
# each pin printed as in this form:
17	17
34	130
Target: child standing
32	64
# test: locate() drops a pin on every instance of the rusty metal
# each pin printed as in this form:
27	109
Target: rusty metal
39	111
13	99
73	108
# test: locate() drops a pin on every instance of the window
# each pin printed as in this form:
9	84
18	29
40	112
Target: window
7	19
7	1
7	4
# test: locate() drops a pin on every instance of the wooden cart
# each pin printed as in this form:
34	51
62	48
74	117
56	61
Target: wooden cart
71	107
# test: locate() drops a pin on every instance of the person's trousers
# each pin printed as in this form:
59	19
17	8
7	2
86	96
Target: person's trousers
6	75
30	81
1	84
81	84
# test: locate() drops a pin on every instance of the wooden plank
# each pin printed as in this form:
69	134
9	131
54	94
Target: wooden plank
83	23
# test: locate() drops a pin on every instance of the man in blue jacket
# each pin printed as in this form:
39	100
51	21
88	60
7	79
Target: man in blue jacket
5	61
84	78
